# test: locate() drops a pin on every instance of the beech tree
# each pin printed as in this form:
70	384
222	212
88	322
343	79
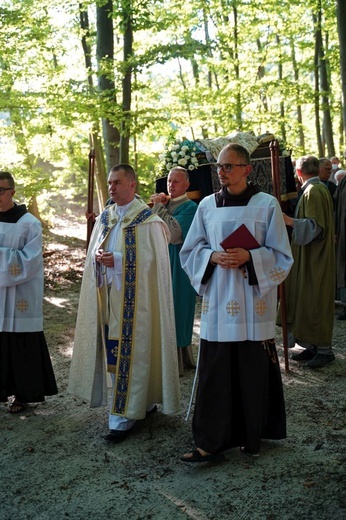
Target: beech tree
341	17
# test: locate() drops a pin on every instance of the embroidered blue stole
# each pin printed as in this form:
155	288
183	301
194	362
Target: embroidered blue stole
119	353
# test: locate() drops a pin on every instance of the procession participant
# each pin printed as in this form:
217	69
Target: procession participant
239	397
312	278
177	211
126	299
26	373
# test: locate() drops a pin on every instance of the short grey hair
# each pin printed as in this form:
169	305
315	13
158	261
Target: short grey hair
309	165
180	169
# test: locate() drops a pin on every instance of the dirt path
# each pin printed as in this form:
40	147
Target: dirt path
55	464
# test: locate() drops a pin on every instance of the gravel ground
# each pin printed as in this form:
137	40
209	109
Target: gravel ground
55	464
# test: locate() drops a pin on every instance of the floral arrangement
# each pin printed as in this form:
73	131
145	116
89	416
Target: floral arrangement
183	153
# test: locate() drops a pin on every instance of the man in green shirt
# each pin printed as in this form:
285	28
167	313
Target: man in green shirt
177	211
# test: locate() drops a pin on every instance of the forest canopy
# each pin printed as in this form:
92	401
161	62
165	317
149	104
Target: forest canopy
127	78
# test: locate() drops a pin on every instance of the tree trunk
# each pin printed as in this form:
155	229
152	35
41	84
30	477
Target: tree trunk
105	57
327	119
260	75
186	97
282	104
95	142
299	107
239	119
341	17
318	43
127	82
100	171
212	74
33	209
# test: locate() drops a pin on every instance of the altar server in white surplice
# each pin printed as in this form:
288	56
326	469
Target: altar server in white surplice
125	320
239	396
26	373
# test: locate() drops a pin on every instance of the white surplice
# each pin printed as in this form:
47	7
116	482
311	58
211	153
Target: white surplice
233	310
21	275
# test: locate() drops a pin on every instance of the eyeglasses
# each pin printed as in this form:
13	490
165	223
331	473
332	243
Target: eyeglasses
227	167
2	190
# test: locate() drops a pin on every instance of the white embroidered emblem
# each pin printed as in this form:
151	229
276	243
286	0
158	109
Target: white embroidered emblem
277	274
233	308
261	307
14	269
205	306
22	305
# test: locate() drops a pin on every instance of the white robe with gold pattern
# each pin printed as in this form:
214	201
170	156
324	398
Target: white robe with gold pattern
140	317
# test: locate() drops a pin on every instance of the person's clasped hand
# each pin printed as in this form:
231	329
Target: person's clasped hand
104	258
156	198
230	259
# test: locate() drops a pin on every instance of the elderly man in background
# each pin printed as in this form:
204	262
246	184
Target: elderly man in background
335	161
126	316
324	173
177	211
310	286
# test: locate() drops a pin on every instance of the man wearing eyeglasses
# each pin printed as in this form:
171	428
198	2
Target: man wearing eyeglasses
239	397
26	373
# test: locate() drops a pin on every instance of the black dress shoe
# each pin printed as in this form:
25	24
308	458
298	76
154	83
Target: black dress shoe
152	410
342	316
304	355
116	435
320	360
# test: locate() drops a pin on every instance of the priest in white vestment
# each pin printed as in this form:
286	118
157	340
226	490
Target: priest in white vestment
125	322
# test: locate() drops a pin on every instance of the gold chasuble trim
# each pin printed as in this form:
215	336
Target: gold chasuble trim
124	364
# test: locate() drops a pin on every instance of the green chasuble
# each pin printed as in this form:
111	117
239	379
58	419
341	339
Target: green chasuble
184	295
310	286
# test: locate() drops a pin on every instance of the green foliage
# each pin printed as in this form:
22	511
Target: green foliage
198	70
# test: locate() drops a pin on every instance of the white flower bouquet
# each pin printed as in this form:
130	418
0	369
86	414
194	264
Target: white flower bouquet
183	153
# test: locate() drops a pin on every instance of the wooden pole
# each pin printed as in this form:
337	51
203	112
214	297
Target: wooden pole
90	213
275	163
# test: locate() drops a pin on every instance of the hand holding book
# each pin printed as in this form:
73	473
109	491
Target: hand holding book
241	237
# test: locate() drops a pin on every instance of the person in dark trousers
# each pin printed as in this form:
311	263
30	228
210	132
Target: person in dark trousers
26	373
239	397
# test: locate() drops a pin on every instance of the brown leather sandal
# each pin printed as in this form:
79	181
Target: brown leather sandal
196	456
16	407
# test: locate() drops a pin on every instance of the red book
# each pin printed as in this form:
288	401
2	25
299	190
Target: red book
241	237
